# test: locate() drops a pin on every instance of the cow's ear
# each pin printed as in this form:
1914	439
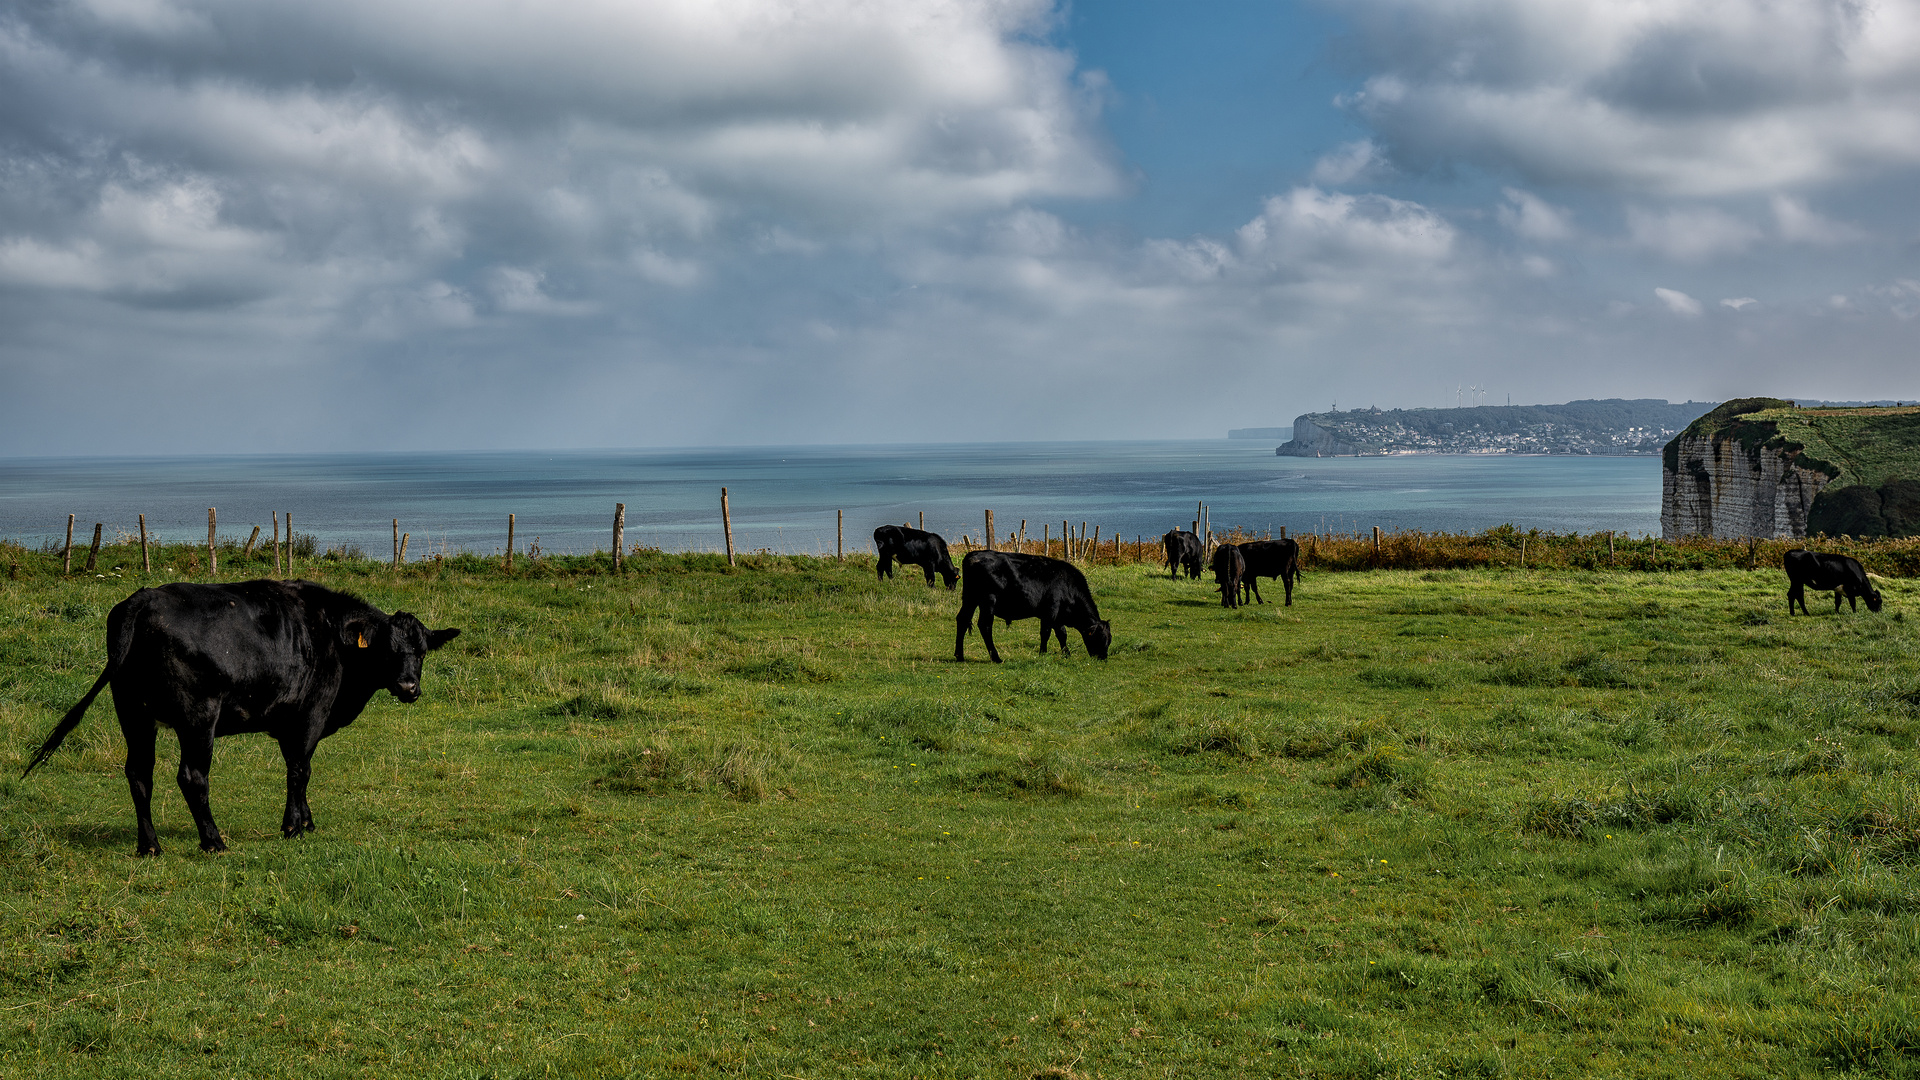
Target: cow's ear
437	638
360	631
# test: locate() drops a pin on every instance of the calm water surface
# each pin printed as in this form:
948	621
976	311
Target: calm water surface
784	499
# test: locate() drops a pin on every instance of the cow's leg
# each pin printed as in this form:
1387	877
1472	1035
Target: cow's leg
1852	603
960	632
986	631
1286	581
886	565
1252	584
196	757
139	733
297	750
928	568
1797	593
1059	631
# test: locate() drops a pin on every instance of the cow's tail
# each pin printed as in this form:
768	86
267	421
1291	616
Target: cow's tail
119	640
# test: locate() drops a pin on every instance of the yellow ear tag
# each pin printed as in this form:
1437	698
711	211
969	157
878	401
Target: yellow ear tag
363	641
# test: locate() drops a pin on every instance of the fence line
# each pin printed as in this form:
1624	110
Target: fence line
1369	547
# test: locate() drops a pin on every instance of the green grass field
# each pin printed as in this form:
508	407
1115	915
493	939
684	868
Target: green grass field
701	821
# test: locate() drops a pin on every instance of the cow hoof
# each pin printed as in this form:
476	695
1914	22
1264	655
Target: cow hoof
147	853
214	848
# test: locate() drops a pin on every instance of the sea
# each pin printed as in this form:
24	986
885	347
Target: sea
791	499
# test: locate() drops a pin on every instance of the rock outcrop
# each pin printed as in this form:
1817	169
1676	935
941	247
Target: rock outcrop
1763	467
1723	480
1315	440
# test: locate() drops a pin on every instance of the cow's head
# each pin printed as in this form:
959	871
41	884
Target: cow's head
1098	636
1873	598
394	646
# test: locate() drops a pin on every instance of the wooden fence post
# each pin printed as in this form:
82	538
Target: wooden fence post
93	553
1523	553
146	562
289	517
1021	543
66	561
404	537
923	521
989	534
396	543
726	524
1609	546
1093	547
1283	532
840	534
213	550
1066	541
509	541
619	534
1046	540
251	540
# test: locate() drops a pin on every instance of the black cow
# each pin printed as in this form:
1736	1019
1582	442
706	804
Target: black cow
1274	559
913	547
1229	567
1845	576
1008	585
1183	552
287	658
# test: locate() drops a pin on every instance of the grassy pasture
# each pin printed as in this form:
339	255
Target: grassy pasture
699	821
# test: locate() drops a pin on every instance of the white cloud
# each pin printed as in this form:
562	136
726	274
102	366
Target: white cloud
1678	302
521	290
1533	217
1737	303
1685	97
1308	224
1797	223
391	133
1352	161
1690	235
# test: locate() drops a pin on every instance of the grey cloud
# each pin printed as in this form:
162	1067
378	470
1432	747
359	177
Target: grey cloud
1695	97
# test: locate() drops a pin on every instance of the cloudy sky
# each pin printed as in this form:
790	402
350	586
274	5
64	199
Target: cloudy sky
395	224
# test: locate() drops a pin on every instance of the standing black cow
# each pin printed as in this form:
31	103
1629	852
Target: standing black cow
1229	567
1274	559
288	658
913	547
1183	552
1845	576
1008	585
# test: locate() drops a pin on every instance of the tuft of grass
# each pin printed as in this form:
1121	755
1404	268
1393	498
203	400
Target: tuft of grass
743	769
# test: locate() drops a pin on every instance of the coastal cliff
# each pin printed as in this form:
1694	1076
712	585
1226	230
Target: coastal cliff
1603	426
1763	467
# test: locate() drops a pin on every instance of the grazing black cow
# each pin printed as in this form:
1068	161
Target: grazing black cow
1229	567
1274	559
1007	585
1845	576
287	658
913	547
1183	552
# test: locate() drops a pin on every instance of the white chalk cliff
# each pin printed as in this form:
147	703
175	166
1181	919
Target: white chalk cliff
1714	485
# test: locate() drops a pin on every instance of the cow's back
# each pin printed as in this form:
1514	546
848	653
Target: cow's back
248	644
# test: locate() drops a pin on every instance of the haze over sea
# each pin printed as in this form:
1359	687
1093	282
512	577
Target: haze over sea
784	498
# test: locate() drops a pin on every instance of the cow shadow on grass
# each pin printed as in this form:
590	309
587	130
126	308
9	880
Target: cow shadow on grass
1195	603
96	837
